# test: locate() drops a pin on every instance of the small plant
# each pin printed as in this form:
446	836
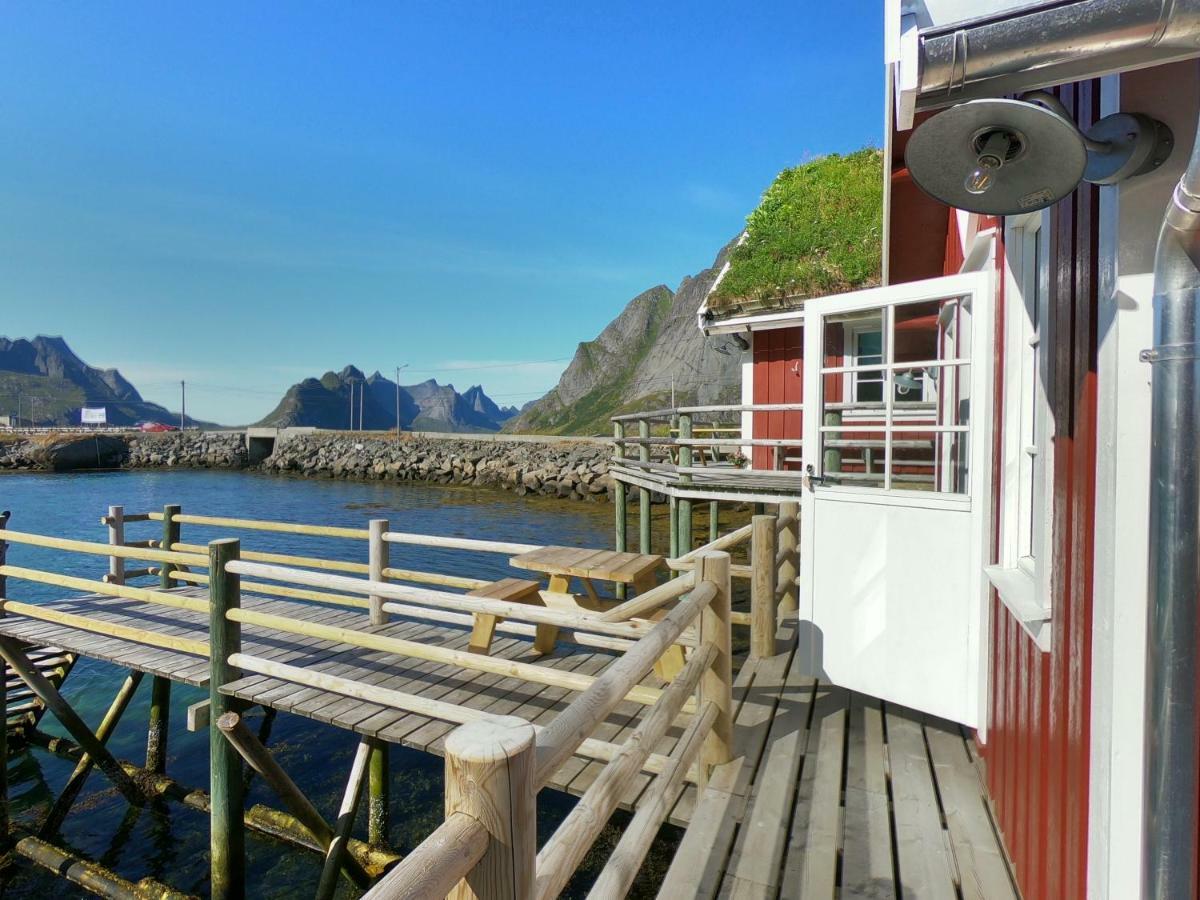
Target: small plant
738	460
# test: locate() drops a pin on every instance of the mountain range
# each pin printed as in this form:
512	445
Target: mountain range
45	383
326	402
651	354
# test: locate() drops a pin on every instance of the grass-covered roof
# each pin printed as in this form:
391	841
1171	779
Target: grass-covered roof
817	231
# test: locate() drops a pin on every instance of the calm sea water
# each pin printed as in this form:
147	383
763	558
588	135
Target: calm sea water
170	842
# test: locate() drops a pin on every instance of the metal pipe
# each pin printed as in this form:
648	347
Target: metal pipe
1052	43
1172	768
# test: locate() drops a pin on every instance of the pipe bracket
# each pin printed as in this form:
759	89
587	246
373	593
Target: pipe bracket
1165	352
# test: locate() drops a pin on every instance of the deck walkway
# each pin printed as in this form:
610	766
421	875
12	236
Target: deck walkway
832	793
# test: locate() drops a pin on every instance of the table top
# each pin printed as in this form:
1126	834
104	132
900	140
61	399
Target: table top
605	565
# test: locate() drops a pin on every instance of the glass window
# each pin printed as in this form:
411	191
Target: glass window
896	397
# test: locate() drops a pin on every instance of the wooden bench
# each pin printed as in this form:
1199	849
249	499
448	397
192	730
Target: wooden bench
514	590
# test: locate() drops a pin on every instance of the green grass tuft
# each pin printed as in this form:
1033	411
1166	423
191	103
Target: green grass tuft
818	230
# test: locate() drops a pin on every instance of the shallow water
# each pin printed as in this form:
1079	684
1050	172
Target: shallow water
170	842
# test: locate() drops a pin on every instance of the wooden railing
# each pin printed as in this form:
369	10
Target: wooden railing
494	768
695	441
495	765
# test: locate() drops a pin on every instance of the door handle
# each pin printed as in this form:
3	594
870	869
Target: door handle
810	478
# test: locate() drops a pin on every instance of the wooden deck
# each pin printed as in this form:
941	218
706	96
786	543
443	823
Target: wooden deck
833	794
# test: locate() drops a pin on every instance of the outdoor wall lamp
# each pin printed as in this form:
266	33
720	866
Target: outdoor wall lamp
1006	157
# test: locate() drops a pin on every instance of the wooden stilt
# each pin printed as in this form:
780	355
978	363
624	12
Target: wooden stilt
345	822
379	820
490	776
239	737
674	526
685	542
644	498
227	836
714	521
621	502
264	735
62	805
160	718
789	560
49	695
160	688
762	587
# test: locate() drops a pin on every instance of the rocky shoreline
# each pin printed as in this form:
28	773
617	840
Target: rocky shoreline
569	469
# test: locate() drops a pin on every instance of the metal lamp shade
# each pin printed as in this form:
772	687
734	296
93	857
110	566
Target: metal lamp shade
1045	164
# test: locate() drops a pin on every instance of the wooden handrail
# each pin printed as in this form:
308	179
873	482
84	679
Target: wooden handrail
622	867
443	599
109	589
571	841
436	864
652	600
266	525
287	559
453	543
433	653
97	549
579	719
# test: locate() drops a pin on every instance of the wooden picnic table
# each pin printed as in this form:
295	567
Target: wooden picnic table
562	564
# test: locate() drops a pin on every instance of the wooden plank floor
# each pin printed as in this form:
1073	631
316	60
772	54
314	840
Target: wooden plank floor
832	793
504	696
836	794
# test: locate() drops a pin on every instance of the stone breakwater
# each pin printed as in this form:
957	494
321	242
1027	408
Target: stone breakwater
567	469
551	467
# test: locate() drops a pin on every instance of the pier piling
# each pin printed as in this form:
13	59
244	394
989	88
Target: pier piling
227	843
160	688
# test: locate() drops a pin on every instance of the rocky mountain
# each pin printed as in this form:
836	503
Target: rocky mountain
654	345
428	406
49	384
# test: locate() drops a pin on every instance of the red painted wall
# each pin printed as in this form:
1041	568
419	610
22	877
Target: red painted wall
1037	753
778	378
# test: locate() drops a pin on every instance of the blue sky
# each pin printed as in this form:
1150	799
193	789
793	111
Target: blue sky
242	194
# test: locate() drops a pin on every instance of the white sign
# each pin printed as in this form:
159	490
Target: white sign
92	416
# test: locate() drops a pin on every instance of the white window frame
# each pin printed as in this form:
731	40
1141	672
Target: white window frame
1022	573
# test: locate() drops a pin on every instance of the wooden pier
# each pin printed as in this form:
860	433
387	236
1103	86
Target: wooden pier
787	787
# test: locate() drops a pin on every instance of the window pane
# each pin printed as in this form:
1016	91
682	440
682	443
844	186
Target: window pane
930	461
854	458
919	335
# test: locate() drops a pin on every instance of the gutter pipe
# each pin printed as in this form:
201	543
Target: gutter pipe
1172	785
1051	43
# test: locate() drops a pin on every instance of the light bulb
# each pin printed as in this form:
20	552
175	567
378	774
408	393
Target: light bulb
983	176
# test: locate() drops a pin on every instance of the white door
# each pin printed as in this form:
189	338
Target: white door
893	528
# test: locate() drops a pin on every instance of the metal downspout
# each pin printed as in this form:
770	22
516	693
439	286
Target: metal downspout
1173	633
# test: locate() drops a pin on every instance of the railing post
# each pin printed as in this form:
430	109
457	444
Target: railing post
714	520
490	771
788	555
762	587
170	537
160	688
4	818
685	505
379	794
831	459
621	499
116	537
377	561
644	493
227	831
716	685
673	505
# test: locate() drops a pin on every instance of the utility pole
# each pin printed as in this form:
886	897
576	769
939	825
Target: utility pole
398	368
361	390
351	404
182	404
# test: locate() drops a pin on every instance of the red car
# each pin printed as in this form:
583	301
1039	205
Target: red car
157	426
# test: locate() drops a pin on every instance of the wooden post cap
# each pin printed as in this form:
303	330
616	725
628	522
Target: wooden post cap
229	721
488	740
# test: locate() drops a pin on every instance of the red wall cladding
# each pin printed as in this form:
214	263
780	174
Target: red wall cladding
1038	739
778	378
